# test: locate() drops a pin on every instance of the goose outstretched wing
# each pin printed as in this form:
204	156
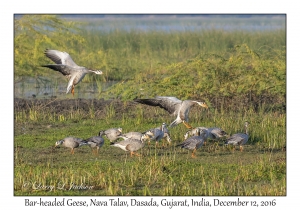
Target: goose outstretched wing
65	70
170	104
60	57
238	138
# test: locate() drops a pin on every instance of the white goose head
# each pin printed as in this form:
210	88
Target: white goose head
202	103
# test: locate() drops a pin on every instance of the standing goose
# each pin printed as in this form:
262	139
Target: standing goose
239	138
194	132
194	142
112	134
131	144
156	134
65	65
71	142
166	133
95	142
213	133
174	106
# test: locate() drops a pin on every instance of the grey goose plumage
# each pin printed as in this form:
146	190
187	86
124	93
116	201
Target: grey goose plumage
95	142
132	134
174	106
131	144
112	133
156	134
213	132
65	65
194	142
239	139
71	142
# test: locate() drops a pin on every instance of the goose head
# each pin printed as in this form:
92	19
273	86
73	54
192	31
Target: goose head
202	104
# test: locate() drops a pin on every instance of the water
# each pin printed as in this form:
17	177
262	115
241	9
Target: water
45	88
173	23
174	28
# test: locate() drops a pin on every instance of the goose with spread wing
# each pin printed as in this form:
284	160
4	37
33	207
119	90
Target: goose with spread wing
174	106
65	65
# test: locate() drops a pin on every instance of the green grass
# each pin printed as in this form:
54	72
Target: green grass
217	170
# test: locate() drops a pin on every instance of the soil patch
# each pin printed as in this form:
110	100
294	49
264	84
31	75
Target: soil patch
100	107
63	106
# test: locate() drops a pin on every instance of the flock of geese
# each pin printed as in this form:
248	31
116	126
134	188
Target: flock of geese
133	141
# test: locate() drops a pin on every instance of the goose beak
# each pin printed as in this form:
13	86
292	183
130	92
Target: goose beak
204	105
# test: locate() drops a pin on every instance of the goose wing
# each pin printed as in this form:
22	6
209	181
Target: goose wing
75	139
155	134
238	138
190	142
75	142
95	139
217	132
135	135
60	57
112	133
134	145
65	70
170	104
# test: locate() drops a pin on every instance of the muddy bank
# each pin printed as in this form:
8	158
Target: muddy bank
101	107
63	106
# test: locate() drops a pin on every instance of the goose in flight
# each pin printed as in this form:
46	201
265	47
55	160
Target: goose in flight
239	138
65	65
71	142
174	106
